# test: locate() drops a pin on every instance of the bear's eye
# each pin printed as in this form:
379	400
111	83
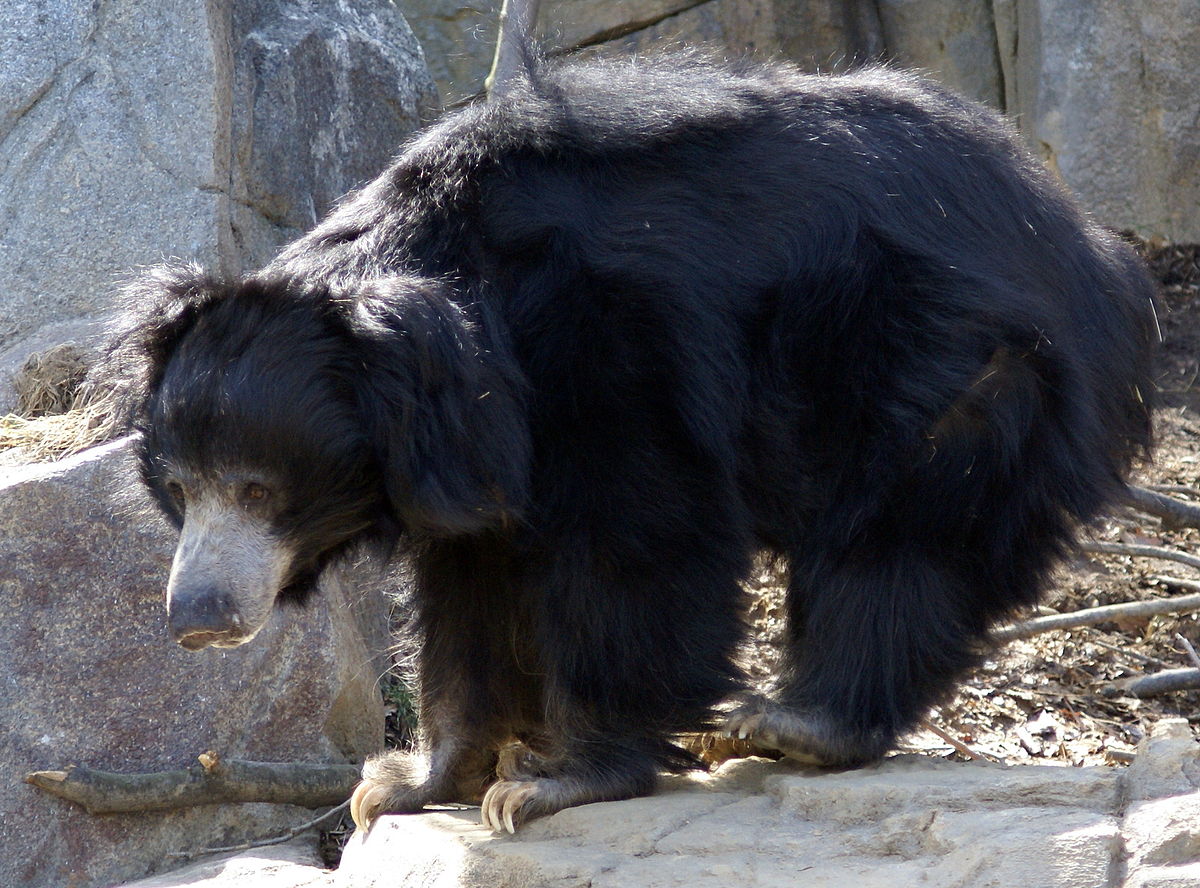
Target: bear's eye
253	493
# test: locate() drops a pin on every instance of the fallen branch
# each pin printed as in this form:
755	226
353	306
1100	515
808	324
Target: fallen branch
213	781
1181	604
1174	513
1141	552
1181	489
1165	682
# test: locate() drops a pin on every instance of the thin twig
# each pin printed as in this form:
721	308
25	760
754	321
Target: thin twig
1181	604
1191	651
262	843
1125	652
955	742
1140	551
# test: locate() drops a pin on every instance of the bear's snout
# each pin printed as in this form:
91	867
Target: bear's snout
227	573
203	617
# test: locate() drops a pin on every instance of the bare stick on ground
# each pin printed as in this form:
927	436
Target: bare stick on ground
1165	682
1191	651
1181	604
1141	552
212	781
956	743
1174	513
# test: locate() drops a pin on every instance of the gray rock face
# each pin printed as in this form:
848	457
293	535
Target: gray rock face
953	41
323	95
1109	94
91	677
459	37
106	142
130	130
819	35
294	864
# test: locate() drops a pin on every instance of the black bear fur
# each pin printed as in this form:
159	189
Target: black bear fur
587	349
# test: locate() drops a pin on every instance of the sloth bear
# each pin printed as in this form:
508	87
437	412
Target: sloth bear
582	352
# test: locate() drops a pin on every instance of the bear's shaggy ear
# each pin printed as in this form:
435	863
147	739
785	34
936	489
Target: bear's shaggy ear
158	308
443	406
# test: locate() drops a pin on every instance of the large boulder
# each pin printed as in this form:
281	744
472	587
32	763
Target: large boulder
92	678
131	130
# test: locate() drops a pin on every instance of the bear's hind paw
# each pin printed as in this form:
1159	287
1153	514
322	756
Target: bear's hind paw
771	726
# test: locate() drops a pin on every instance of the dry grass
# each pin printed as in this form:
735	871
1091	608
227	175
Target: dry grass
51	421
47	382
56	436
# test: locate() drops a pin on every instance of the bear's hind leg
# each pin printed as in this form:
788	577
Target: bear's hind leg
877	637
894	589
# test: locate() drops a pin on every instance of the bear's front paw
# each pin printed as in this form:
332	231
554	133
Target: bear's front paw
390	785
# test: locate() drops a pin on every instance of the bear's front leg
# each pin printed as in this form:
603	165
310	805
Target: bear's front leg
474	688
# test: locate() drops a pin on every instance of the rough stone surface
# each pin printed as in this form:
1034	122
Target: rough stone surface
91	677
1108	92
323	95
954	40
459	37
911	821
294	864
130	130
835	34
105	147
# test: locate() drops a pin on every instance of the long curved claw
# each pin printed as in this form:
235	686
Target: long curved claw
506	805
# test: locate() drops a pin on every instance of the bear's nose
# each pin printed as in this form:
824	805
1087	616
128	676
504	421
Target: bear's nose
198	618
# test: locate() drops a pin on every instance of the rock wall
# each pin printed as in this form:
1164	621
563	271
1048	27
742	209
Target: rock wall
1106	92
131	130
92	678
